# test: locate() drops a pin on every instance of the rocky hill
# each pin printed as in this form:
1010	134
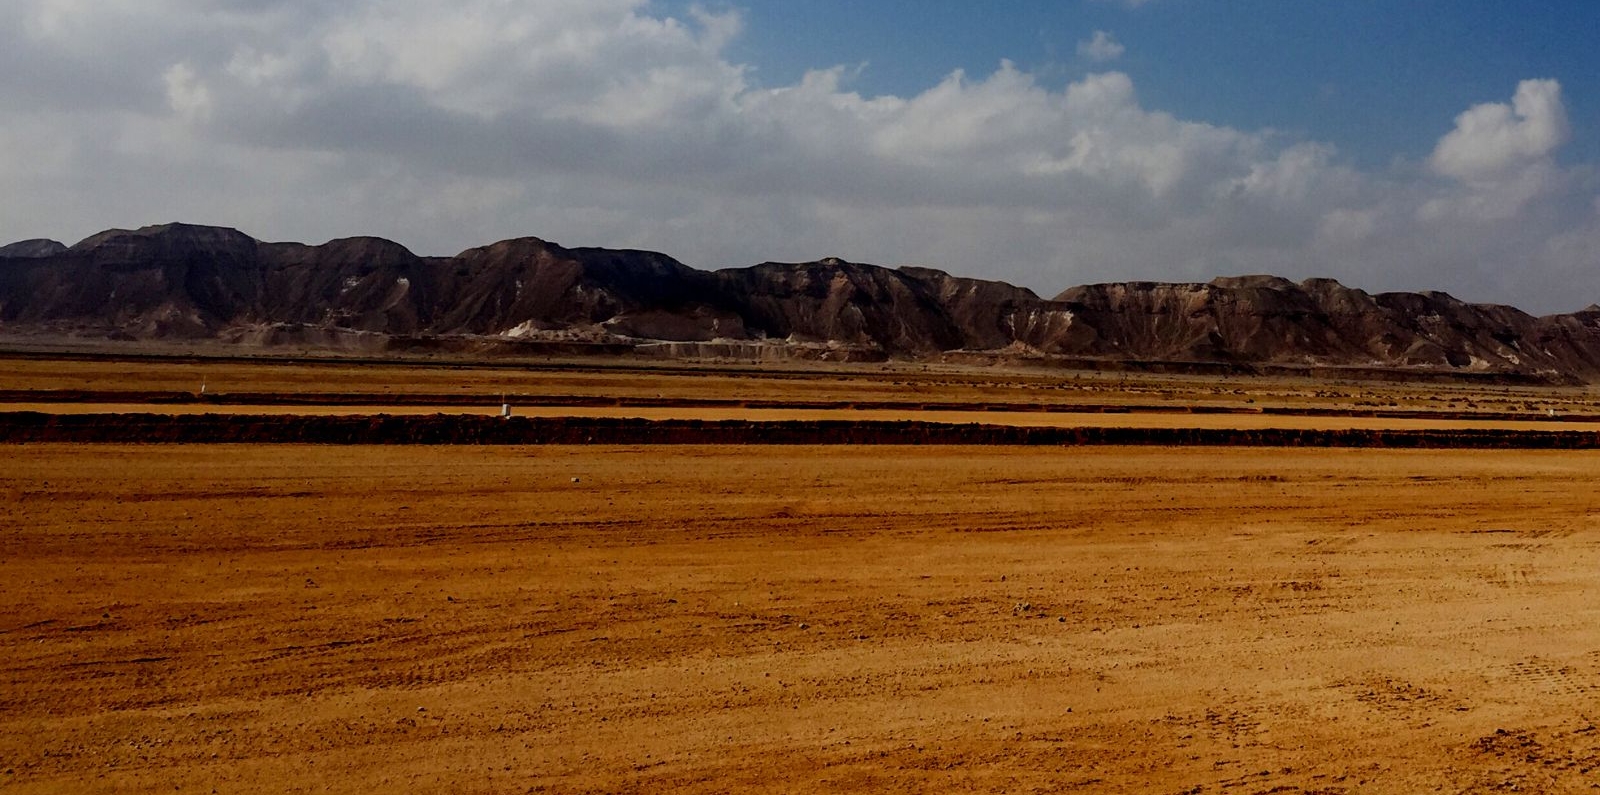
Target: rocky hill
24	249
180	281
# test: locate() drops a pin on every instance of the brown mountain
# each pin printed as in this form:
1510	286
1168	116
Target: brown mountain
194	282
27	249
1267	319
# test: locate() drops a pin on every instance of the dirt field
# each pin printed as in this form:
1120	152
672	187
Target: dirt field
825	384
894	392
311	619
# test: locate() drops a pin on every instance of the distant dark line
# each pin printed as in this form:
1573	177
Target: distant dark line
36	427
520	400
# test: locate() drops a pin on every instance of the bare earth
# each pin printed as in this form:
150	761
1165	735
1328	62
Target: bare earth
823	384
795	619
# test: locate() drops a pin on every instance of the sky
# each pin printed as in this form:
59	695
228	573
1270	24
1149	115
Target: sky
1390	144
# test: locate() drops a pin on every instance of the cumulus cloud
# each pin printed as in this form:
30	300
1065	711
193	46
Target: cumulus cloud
1494	138
604	122
1101	47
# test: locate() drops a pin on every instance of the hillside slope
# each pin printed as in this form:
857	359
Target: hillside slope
180	281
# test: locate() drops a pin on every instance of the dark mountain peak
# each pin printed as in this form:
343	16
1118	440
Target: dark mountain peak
364	243
623	261
33	249
345	255
826	263
373	250
1119	292
516	247
1332	290
547	261
1334	298
1253	282
169	234
169	243
528	285
825	270
1322	283
182	280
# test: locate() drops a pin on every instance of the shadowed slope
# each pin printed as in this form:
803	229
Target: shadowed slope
183	281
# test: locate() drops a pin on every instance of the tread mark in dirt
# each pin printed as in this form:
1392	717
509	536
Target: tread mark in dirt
1553	678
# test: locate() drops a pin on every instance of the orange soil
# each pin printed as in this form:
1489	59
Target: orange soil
246	619
817	383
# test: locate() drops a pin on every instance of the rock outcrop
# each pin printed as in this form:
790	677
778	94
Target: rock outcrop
192	282
29	249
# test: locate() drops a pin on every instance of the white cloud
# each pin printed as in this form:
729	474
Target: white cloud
1494	138
187	96
599	122
1101	47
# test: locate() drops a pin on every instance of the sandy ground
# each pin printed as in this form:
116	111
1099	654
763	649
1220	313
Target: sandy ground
817	383
320	619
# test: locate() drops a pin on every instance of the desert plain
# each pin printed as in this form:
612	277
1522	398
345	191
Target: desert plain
797	618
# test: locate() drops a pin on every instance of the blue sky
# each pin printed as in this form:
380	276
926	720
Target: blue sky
1398	145
1378	78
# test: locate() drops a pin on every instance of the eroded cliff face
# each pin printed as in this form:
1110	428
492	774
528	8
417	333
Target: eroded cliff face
1319	321
184	281
162	282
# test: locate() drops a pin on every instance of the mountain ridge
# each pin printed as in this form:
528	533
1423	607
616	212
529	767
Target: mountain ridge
183	281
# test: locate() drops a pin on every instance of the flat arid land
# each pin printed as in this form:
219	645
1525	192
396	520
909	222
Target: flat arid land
759	618
107	383
783	617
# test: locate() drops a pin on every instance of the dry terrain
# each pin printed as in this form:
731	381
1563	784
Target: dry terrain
101	383
527	382
568	619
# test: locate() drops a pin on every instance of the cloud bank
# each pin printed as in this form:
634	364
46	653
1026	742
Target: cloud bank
599	122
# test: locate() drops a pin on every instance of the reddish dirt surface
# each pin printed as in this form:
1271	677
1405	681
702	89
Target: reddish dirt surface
822	385
359	619
264	399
